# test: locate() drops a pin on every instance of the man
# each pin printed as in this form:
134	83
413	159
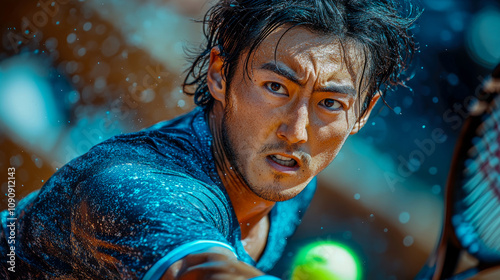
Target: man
214	194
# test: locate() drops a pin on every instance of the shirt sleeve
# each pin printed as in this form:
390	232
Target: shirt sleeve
128	217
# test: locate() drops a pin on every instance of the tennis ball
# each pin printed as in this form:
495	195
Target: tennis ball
326	261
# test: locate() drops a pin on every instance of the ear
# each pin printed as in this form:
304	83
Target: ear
364	118
215	77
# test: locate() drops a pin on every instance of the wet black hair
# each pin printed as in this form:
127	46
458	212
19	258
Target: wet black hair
380	27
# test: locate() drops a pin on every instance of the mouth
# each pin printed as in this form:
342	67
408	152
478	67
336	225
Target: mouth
283	163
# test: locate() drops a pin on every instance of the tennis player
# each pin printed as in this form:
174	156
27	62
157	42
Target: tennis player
215	193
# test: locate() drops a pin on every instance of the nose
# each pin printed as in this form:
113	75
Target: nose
294	128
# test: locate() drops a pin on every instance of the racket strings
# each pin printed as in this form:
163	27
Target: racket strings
477	221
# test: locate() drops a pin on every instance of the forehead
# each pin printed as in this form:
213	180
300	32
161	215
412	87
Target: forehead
306	53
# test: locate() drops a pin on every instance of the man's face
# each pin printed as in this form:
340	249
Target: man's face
288	121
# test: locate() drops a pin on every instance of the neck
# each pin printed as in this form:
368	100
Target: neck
249	208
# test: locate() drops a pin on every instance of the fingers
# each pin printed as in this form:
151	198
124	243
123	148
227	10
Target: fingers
215	271
215	263
212	254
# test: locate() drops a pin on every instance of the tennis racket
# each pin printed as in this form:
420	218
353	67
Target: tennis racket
472	201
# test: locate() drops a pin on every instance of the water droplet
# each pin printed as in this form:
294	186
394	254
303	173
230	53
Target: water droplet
397	110
433	170
87	26
110	46
82	51
436	189
181	103
71	38
404	217
408	241
453	79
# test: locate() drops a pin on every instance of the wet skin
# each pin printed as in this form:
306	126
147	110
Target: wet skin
277	129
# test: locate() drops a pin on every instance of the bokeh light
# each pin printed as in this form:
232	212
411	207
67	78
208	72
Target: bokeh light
28	109
483	39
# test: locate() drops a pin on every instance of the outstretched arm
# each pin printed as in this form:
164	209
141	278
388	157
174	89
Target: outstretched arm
123	224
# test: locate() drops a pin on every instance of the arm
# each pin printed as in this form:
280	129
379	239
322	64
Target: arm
124	227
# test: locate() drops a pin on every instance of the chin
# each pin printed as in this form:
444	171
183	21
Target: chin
277	193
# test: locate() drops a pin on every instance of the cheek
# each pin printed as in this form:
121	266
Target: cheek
251	115
239	134
245	131
328	143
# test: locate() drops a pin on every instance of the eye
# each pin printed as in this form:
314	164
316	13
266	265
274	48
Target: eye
331	104
276	88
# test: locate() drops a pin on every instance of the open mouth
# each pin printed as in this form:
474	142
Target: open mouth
284	161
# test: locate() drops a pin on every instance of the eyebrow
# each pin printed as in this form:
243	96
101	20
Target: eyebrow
291	76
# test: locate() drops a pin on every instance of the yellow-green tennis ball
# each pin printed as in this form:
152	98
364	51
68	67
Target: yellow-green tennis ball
326	261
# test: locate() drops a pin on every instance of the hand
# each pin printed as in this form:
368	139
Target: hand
215	263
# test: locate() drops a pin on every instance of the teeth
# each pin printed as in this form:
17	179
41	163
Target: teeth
290	162
282	158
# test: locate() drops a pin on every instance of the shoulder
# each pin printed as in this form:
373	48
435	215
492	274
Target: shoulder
141	192
139	181
137	214
181	144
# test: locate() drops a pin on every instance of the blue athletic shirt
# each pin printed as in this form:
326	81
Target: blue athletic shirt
121	208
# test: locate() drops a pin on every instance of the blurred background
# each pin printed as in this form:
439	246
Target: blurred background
74	73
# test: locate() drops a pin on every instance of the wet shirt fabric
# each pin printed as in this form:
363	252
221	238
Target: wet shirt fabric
118	209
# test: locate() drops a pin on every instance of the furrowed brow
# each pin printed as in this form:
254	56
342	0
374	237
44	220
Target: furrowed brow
291	76
335	88
282	71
